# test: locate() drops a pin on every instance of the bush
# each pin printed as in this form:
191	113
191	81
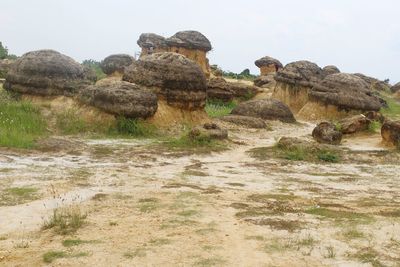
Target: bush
135	128
328	156
374	126
217	108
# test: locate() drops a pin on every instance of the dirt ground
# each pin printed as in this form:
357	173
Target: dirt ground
147	206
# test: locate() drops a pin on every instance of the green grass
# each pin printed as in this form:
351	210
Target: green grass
368	255
393	109
76	242
328	156
375	127
65	221
51	256
340	215
134	128
21	123
216	108
353	234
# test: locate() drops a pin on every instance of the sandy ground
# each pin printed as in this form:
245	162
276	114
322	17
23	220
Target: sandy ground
148	206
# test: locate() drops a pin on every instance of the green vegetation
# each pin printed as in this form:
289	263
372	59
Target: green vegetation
65	221
353	234
135	128
368	255
147	205
76	242
340	215
137	253
244	75
374	127
20	122
17	195
393	109
328	156
217	108
95	66
51	256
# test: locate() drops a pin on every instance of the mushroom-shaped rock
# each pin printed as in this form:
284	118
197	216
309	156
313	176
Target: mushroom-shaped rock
46	72
294	82
330	69
121	98
268	65
354	124
395	88
190	40
172	76
115	64
346	92
151	43
326	133
391	133
374	83
267	109
207	132
246	121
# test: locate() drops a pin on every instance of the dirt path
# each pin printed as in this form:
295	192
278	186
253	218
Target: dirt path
148	207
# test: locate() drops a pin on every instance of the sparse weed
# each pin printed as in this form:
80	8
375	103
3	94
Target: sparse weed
66	221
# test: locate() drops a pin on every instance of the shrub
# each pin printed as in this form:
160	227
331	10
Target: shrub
65	221
374	126
95	66
218	108
134	128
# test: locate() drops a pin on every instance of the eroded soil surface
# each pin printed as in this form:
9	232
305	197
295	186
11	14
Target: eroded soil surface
148	206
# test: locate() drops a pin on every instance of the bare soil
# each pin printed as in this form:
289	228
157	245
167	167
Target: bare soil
149	206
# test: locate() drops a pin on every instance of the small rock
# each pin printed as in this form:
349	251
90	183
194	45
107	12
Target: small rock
326	133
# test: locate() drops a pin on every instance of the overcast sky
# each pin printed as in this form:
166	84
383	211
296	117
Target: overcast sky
355	35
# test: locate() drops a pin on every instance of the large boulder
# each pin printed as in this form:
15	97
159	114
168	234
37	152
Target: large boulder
190	40
116	63
46	73
151	41
268	65
354	124
267	109
330	69
391	133
395	88
173	77
249	122
326	133
219	88
121	98
346	92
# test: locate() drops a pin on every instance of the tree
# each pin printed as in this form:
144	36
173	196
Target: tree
3	51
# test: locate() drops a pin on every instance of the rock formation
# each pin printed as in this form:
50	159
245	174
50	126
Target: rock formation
354	124
191	44
391	133
178	82
121	98
207	132
374	83
330	69
5	65
337	96
115	64
46	72
326	133
295	81
395	88
220	89
268	65
267	109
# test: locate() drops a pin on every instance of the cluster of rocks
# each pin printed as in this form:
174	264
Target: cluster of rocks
315	93
192	44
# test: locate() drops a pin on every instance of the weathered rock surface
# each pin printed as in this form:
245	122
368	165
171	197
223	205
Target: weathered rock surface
151	41
354	124
345	91
395	88
121	98
189	39
218	88
265	81
330	69
268	65
326	133
391	133
374	83
304	73
5	65
116	63
246	121
172	76
46	72
207	132
267	109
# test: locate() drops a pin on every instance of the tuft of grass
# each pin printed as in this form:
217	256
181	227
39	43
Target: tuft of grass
51	256
76	242
328	156
147	205
374	127
209	262
217	108
70	122
159	242
330	252
137	253
18	195
368	255
340	215
21	123
134	128
353	234
65	221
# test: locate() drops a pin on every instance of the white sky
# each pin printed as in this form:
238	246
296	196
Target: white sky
356	35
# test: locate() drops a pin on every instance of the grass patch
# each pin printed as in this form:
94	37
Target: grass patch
339	215
134	128
159	242
18	195
375	127
21	123
328	156
353	234
188	213
368	255
147	205
393	109
77	242
217	108
209	262
65	221
51	256
137	253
